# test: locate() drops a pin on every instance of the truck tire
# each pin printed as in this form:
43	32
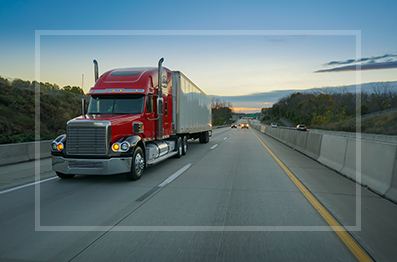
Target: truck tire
201	138
184	145
179	147
204	137
207	137
64	176
137	165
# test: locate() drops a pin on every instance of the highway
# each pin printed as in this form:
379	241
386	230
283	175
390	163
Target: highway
228	200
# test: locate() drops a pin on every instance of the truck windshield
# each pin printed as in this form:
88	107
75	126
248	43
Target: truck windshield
122	104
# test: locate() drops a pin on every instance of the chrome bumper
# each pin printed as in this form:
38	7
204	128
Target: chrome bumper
77	166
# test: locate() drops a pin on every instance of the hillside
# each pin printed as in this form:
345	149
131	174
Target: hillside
383	123
18	112
337	110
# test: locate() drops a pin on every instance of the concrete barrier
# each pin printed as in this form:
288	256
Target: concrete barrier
300	143
313	145
270	131
377	164
22	152
332	152
282	135
392	192
349	168
290	137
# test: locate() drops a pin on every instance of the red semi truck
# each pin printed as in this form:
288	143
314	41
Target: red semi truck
137	117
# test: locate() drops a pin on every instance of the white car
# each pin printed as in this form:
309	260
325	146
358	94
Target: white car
273	125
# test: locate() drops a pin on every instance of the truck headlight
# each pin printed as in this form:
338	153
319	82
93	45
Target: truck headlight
115	147
123	147
57	146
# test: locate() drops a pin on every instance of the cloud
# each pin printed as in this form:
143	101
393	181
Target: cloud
265	104
386	61
372	59
369	66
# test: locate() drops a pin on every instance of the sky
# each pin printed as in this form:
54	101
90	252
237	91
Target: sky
244	52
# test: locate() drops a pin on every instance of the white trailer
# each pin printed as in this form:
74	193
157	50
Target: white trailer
192	109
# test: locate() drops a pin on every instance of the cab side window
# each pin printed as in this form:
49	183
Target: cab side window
149	104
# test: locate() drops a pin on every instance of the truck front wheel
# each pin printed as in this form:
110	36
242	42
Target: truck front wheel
64	176
137	165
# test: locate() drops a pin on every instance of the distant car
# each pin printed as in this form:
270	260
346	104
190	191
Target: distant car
233	126
301	127
245	125
273	125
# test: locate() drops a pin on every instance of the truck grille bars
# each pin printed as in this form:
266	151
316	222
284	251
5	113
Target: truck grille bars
88	138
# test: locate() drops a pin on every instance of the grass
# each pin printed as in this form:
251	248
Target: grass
384	124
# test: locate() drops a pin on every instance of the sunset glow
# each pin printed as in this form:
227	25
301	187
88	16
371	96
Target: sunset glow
246	109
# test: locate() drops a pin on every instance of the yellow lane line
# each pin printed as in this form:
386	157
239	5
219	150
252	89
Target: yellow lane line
339	230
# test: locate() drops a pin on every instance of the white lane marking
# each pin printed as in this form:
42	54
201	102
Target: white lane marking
225	138
212	147
30	184
174	176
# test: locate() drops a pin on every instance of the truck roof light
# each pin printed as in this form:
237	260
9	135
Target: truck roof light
102	91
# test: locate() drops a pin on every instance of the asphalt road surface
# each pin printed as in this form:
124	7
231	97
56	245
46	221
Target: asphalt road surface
228	200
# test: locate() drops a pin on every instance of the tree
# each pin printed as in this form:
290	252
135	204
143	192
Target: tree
73	89
221	112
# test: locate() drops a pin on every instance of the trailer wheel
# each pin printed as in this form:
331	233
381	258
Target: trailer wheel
64	176
184	145
204	137
201	138
179	147
137	165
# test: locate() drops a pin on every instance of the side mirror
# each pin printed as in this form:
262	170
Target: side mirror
164	80
160	106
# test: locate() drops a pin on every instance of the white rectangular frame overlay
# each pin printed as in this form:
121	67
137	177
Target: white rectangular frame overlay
39	33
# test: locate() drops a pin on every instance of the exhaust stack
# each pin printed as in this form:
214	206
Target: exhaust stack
159	129
95	70
83	104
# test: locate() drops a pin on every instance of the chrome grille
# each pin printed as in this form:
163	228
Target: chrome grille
87	139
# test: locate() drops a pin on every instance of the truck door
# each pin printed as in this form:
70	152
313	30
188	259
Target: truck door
150	115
